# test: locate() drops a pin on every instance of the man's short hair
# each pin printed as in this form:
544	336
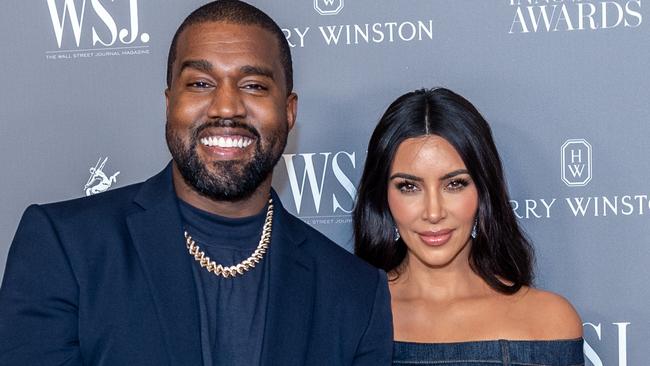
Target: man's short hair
236	12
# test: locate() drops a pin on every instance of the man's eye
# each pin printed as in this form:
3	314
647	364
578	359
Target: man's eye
199	84
255	87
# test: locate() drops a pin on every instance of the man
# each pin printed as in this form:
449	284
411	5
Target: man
108	280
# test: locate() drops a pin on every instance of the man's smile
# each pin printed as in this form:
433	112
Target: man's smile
226	141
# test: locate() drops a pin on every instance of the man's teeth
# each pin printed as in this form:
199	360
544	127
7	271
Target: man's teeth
221	141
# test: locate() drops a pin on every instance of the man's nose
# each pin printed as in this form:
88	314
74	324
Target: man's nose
226	102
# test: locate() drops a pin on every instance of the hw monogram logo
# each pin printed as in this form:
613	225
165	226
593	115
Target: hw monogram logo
73	12
576	162
328	7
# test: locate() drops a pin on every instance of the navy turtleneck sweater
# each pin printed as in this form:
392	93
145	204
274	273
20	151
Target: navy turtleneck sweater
233	310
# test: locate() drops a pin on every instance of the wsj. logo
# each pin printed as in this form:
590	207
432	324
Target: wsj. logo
328	7
75	14
592	356
315	168
576	162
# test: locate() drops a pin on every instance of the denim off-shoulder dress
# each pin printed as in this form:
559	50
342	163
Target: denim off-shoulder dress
490	353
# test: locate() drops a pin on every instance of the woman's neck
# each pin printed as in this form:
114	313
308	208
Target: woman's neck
456	280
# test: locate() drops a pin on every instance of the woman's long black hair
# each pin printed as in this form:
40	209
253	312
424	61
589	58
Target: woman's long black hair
500	254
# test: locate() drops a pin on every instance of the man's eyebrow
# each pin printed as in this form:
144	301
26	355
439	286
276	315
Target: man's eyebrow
200	65
257	70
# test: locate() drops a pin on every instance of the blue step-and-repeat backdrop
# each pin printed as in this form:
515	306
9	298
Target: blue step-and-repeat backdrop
564	84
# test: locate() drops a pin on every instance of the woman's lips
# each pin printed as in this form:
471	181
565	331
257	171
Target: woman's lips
436	238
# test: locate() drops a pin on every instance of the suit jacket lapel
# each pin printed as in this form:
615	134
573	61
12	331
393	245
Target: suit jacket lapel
157	235
158	239
291	293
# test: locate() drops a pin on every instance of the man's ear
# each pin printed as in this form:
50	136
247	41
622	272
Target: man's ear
167	101
292	109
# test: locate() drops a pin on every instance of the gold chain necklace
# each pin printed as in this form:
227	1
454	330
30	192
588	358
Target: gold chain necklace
243	266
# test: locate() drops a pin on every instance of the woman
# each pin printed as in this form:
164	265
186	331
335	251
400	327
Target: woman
433	212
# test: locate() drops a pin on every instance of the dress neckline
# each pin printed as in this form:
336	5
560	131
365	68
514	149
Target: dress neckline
493	341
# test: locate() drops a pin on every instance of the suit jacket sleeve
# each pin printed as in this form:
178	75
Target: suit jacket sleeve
376	346
38	298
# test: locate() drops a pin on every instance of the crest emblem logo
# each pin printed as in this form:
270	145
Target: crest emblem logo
576	162
99	181
328	7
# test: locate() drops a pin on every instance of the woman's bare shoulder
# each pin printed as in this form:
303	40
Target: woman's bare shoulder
552	315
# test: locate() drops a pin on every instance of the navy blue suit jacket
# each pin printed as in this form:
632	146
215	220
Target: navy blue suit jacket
107	280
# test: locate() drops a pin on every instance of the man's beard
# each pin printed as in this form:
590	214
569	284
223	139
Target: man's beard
228	180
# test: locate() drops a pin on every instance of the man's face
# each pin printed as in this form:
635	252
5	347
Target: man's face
228	110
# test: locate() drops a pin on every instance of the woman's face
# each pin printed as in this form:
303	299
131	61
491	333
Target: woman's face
433	201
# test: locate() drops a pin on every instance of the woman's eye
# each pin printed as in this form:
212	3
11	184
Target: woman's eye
406	187
457	184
